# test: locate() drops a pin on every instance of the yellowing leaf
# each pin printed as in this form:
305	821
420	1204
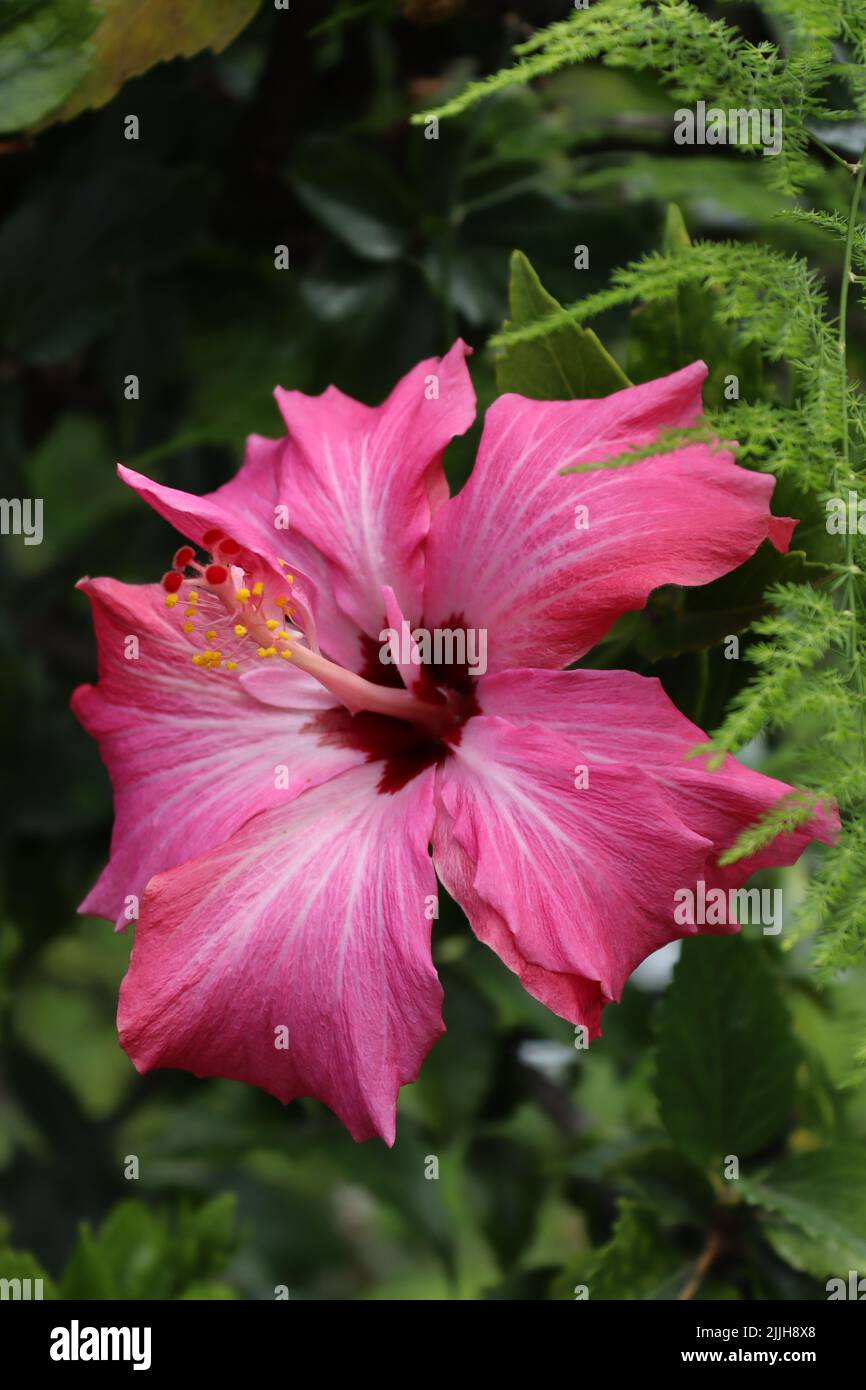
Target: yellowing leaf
136	34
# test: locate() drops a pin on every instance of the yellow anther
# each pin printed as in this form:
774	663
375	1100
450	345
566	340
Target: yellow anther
187	627
170	600
242	595
190	612
282	600
291	578
258	588
283	635
286	653
240	630
231	665
262	651
271	624
210	635
198	659
193	596
267	651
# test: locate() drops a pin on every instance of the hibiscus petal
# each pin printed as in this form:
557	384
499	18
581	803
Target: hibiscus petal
364	481
624	720
313	919
191	755
513	553
193	516
256	497
572	886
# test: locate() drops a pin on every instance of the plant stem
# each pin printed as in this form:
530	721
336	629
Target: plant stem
816	139
855	671
711	1251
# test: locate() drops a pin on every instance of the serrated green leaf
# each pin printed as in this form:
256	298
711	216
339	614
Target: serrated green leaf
726	1056
569	364
637	1263
815	1209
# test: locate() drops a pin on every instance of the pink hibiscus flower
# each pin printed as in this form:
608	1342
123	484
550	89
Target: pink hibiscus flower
285	799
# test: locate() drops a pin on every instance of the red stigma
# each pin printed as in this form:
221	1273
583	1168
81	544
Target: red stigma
229	547
211	537
216	575
172	581
183	557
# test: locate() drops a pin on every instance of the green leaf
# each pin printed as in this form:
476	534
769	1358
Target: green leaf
726	1056
354	196
509	1190
73	472
569	364
668	334
136	34
19	1264
137	1254
815	1209
637	1263
44	53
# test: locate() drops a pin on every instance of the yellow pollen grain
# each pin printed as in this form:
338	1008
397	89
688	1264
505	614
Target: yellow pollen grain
258	588
211	634
170	600
286	654
193	596
271	624
283	635
240	630
187	627
231	665
242	595
190	612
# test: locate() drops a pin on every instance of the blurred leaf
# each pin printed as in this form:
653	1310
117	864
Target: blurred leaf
637	1263
509	1190
137	1254
44	53
78	1039
73	472
566	365
17	1264
457	1073
817	1209
726	1057
669	1182
133	35
354	195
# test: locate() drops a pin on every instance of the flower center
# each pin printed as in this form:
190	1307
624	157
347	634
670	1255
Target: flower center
239	612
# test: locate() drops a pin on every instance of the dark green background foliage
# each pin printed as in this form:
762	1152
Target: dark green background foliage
557	1167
